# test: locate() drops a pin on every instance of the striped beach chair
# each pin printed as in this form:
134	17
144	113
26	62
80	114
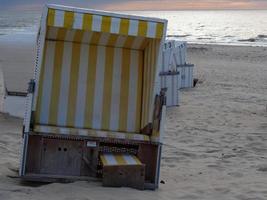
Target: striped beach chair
95	90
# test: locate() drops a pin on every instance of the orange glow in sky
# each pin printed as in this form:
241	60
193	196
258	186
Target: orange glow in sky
185	5
139	4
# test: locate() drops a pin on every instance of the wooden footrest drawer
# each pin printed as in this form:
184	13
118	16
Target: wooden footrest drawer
122	170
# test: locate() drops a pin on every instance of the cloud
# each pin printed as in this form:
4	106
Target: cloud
141	4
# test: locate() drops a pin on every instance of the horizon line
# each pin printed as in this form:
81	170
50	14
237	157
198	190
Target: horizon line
130	10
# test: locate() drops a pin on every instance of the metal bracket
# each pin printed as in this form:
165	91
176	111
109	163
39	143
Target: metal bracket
169	73
31	86
185	65
23	131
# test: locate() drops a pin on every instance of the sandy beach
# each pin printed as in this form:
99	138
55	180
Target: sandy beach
215	142
2	88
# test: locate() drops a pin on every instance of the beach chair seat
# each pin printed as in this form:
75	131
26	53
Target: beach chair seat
152	136
90	133
122	170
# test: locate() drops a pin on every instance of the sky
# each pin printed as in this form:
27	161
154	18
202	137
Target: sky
139	4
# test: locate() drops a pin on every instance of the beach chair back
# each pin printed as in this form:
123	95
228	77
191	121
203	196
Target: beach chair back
98	70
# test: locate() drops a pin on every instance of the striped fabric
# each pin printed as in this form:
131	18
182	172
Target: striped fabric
98	72
89	132
110	159
97	38
150	66
88	86
102	23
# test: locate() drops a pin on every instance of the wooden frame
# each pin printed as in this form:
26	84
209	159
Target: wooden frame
48	159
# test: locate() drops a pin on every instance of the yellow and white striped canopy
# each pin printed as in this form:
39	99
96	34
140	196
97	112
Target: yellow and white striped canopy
104	23
98	70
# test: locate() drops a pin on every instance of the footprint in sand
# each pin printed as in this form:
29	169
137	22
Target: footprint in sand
262	168
222	190
236	174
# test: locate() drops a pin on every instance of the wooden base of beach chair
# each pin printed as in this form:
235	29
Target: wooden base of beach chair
61	157
122	170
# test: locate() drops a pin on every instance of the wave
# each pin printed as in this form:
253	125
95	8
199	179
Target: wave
262	36
6	25
248	40
204	38
179	36
228	36
259	38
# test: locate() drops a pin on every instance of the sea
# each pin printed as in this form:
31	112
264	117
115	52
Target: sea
226	27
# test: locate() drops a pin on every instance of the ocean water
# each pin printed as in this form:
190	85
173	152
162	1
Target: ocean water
204	27
12	22
222	27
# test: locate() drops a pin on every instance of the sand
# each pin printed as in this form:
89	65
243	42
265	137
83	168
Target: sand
2	88
215	142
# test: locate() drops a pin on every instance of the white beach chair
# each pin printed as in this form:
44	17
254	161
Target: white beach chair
175	72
